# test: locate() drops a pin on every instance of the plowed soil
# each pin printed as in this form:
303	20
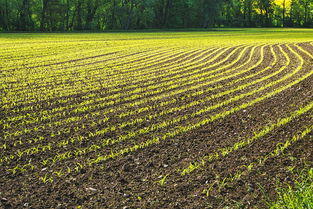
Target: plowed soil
125	143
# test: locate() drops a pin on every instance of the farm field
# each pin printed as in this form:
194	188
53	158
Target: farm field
199	119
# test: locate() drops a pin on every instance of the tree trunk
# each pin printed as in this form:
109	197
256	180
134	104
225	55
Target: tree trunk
261	15
25	16
71	25
6	16
67	15
244	15
306	12
79	25
166	11
130	15
91	12
250	13
284	13
43	14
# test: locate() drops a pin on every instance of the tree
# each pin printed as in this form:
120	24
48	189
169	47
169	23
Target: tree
25	20
92	6
4	15
248	9
265	8
68	15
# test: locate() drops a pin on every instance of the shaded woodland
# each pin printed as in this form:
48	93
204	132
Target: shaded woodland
99	15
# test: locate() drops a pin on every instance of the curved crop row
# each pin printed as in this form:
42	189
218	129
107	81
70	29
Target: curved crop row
200	112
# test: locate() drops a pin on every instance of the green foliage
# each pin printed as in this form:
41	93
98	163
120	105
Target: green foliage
69	15
297	197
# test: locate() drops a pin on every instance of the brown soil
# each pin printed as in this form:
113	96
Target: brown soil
133	180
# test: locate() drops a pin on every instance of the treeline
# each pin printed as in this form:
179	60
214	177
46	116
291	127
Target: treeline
71	15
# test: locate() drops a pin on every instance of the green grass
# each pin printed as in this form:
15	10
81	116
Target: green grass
299	196
202	37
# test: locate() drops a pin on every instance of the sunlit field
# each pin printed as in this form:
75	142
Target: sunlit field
176	119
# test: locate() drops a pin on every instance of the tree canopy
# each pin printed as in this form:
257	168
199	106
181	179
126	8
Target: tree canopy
76	15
